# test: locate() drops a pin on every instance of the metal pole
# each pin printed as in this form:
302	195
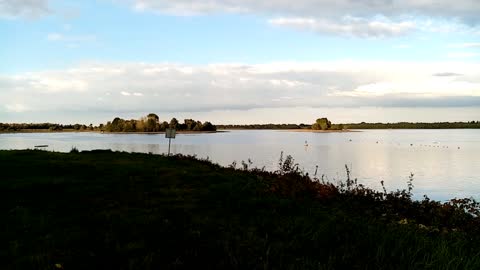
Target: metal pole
169	141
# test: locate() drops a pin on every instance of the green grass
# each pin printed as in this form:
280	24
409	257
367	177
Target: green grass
104	210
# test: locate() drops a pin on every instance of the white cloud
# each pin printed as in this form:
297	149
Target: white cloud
70	38
397	17
427	88
49	82
23	8
242	86
463	54
467	10
16	108
464	45
71	41
446	74
348	26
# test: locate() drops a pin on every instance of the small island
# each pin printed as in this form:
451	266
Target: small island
151	123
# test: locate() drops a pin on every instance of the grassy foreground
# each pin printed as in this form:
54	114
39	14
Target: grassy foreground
105	210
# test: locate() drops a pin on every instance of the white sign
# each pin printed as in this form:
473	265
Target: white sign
170	133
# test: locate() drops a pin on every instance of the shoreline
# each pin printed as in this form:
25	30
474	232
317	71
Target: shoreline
104	132
299	130
163	132
321	131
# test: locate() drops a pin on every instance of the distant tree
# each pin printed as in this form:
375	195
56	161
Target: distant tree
207	126
198	126
152	123
140	125
173	123
322	124
153	116
189	124
164	125
118	124
55	128
129	126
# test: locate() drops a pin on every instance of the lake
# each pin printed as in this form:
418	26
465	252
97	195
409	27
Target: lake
445	163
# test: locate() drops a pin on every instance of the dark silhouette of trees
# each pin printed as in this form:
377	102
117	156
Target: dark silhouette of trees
265	126
409	125
173	123
151	123
322	124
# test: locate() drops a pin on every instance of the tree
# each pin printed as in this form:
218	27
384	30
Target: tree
173	123
117	125
164	126
153	116
152	122
190	124
207	126
322	124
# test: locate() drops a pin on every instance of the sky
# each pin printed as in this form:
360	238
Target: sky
240	61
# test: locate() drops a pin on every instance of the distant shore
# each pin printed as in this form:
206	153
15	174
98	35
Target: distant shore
102	132
298	130
163	132
322	131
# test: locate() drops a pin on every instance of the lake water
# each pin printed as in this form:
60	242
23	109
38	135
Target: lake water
445	163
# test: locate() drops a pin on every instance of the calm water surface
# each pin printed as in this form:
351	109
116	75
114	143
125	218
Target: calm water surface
446	163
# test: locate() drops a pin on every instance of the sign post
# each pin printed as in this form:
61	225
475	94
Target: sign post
170	134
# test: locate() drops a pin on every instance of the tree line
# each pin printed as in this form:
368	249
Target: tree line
410	125
12	127
264	126
152	123
325	124
149	123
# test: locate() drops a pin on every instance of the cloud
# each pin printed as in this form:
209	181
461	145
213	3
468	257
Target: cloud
124	93
464	10
225	86
426	88
17	108
348	26
463	54
446	74
71	41
370	18
23	8
69	38
465	45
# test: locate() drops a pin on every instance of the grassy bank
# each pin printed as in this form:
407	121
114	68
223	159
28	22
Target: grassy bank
104	210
